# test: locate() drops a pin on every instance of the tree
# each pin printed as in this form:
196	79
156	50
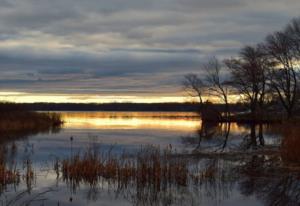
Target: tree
216	83
292	32
284	81
194	86
248	73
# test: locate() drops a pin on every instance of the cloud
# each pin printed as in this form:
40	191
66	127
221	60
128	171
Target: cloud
125	46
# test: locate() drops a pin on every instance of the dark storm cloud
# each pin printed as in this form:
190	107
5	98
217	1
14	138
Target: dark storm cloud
75	45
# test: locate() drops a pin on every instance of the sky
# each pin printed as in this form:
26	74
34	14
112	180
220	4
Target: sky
123	50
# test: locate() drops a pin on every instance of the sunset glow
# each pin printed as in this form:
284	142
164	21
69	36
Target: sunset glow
20	97
122	51
85	98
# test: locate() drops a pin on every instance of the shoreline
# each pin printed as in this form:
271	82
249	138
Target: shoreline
25	119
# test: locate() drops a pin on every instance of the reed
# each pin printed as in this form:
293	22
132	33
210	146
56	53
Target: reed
290	151
7	176
149	167
20	124
20	120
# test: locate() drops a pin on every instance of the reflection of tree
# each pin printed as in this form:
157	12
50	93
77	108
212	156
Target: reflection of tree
227	132
254	138
261	135
210	131
207	131
262	177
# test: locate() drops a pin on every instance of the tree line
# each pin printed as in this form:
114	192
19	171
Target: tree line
258	75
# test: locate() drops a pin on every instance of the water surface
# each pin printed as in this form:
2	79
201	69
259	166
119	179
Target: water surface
127	131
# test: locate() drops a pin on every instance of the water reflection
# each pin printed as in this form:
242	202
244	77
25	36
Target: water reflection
220	137
12	135
214	182
264	178
132	120
257	179
253	181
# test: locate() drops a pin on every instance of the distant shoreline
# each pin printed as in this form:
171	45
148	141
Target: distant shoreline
118	107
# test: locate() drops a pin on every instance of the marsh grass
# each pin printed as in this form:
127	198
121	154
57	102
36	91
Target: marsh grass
21	120
149	167
20	124
8	175
290	150
29	175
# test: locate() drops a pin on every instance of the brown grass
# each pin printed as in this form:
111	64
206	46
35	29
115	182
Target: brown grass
20	120
148	167
20	124
7	176
290	149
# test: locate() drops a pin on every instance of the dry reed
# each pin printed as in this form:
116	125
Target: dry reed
7	176
290	150
149	167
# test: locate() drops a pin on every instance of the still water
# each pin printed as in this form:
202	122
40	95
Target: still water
127	131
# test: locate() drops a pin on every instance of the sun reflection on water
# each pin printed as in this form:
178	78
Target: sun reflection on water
131	120
175	121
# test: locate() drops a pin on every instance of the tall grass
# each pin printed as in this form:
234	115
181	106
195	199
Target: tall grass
8	175
149	167
149	177
290	148
18	120
18	124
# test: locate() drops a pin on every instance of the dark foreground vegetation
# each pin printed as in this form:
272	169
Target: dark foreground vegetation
290	144
21	120
10	174
16	121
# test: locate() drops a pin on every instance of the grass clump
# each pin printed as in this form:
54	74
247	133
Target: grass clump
14	117
16	122
149	167
8	175
25	120
290	150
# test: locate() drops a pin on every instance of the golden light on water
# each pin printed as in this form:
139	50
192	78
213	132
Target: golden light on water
135	120
175	121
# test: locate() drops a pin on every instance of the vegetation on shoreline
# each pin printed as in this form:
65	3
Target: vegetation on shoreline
26	120
290	151
16	122
264	76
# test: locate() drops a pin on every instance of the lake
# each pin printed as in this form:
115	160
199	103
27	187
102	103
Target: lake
233	182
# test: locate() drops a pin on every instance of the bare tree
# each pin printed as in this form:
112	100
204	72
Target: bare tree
249	76
283	75
292	31
194	86
216	83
